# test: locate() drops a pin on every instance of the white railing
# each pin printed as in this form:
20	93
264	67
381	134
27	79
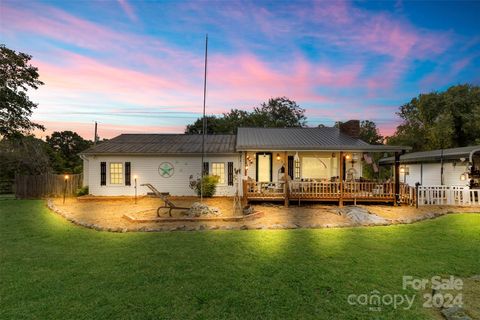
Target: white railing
447	195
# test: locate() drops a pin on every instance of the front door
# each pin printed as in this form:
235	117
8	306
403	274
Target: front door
264	167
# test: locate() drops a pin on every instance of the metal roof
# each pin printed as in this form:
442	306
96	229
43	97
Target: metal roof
292	139
164	144
433	155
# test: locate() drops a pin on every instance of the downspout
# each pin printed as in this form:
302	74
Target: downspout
441	167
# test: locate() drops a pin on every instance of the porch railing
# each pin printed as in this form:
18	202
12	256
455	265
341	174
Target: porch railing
265	190
314	190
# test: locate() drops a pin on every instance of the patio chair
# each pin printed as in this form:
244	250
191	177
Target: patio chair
166	203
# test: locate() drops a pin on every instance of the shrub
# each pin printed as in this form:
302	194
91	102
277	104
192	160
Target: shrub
209	186
82	191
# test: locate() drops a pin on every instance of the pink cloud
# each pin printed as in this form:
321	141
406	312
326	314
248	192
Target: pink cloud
127	8
105	130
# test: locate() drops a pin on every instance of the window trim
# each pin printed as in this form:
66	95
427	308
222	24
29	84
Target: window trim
211	172
122	183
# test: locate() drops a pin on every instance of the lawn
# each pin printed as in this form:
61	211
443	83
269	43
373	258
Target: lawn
52	269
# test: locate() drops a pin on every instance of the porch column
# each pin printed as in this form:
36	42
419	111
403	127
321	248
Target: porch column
340	176
285	176
396	199
244	181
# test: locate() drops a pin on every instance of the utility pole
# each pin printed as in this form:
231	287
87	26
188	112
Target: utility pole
95	135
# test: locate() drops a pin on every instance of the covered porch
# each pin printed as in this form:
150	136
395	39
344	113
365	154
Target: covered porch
314	164
316	176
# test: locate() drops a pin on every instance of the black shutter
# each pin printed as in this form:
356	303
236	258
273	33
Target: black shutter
127	174
206	170
230	173
103	173
290	167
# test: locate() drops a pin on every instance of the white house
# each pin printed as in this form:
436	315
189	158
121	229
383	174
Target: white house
283	164
449	167
167	161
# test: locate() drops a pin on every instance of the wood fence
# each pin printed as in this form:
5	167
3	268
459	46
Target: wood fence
46	185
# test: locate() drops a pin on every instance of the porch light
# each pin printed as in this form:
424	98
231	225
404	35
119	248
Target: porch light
347	156
278	156
463	177
333	155
66	177
355	157
402	170
246	167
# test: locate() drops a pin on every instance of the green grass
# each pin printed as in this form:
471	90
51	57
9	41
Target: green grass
51	269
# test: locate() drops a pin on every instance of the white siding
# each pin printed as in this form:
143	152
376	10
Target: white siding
432	174
146	170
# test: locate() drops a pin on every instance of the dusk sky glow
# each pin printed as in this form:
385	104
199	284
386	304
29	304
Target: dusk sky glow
138	66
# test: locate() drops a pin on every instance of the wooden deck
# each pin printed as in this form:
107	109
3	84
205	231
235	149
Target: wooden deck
327	191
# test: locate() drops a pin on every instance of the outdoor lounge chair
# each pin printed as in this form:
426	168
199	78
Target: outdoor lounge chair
166	203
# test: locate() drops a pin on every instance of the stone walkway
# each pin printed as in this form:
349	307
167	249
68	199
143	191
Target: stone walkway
109	215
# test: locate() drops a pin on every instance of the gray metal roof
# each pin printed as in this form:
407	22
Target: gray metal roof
164	144
433	155
326	138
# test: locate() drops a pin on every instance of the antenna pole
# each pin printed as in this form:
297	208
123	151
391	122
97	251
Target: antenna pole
204	120
95	136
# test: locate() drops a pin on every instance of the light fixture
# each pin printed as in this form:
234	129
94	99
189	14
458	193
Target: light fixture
347	156
246	167
463	177
355	157
296	157
402	170
66	177
278	156
135	177
333	155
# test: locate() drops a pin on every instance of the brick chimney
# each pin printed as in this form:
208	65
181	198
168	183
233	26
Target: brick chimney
351	128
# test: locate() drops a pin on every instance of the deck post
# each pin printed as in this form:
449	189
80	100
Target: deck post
340	176
285	177
244	179
244	187
396	199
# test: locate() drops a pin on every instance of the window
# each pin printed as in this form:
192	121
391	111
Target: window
315	167
116	173
297	169
218	169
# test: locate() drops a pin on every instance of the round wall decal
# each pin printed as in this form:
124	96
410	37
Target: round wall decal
166	169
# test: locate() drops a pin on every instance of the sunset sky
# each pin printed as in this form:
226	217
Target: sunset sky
138	66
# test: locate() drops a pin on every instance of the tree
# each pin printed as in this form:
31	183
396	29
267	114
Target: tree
369	132
67	145
277	112
24	155
16	77
440	119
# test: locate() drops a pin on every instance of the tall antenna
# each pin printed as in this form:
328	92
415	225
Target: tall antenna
204	120
95	135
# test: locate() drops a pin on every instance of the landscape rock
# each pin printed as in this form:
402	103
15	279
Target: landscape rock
200	209
248	210
455	313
